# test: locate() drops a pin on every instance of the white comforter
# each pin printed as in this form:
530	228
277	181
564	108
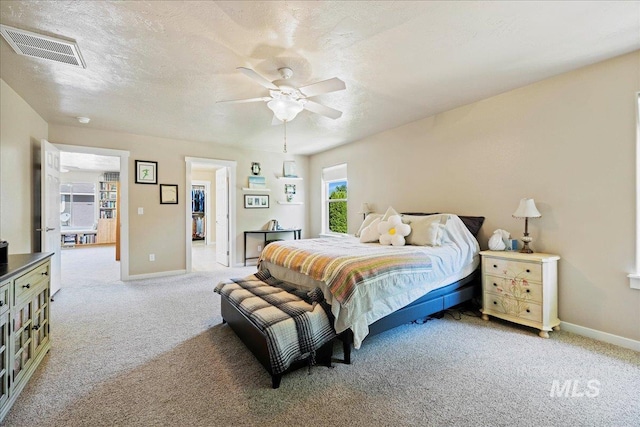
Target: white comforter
455	259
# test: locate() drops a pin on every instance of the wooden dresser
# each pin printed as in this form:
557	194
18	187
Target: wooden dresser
521	288
24	322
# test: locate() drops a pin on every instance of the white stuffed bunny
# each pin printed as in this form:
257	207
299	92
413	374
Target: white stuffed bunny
499	240
392	231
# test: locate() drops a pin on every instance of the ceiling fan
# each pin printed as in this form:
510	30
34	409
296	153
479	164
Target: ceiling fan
287	101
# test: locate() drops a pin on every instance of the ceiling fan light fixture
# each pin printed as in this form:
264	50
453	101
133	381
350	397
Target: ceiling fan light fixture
285	108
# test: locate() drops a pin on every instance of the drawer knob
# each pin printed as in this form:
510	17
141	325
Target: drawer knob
1	303
45	273
28	285
528	271
495	284
528	311
528	290
495	302
495	266
35	327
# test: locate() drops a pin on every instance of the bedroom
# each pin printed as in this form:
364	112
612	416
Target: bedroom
568	140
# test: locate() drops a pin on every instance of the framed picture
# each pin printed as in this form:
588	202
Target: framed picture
146	172
289	169
256	201
168	194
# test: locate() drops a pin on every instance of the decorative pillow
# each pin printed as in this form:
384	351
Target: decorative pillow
428	231
370	233
390	211
473	223
392	231
367	221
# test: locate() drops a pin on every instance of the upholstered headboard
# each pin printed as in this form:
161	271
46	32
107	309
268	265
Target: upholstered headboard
473	223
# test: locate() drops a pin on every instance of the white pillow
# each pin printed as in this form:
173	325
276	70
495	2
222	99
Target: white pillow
370	233
367	221
392	232
390	211
429	231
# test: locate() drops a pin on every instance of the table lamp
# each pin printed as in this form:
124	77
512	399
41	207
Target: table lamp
526	209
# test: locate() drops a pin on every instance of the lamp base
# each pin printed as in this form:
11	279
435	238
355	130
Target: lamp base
525	248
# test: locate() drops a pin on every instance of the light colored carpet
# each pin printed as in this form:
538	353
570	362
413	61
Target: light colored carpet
154	352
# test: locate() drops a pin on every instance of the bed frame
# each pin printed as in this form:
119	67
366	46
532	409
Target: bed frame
434	302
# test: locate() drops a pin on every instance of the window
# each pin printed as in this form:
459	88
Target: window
334	181
77	205
634	278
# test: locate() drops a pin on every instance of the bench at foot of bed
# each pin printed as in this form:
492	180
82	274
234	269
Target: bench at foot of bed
284	328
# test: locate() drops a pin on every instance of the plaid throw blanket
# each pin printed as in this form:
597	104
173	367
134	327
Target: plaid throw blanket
348	264
296	323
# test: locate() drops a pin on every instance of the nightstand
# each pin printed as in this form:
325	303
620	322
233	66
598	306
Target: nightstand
521	288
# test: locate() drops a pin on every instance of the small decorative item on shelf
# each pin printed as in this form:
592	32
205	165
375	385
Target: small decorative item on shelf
289	169
257	182
289	190
255	168
526	209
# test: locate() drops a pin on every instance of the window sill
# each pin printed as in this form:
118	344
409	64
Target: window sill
634	281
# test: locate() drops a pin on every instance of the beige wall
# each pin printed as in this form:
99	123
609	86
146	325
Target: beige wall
161	230
21	130
569	142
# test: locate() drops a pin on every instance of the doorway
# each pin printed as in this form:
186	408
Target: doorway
93	213
210	215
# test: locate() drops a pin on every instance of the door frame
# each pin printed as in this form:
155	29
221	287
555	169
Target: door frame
232	166
123	215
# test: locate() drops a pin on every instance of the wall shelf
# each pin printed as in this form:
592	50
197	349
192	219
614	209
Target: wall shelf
293	178
257	190
290	203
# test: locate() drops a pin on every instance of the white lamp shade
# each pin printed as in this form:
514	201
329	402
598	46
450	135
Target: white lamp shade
284	108
527	209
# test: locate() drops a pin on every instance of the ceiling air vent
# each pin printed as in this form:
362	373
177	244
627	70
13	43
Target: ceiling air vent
43	47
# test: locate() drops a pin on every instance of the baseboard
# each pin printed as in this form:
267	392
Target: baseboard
155	275
601	336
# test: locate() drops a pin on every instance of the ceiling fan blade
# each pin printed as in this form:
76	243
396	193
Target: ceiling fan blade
242	101
324	86
276	121
257	78
323	110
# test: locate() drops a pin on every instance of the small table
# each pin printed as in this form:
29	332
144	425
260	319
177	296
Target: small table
297	234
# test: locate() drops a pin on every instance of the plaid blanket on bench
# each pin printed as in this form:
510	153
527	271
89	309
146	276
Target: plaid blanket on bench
296	323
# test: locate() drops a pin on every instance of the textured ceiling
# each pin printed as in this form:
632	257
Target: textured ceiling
158	68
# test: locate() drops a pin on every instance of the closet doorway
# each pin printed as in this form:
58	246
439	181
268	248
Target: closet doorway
211	214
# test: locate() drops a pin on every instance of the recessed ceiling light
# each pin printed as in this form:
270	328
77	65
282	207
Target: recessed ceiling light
83	120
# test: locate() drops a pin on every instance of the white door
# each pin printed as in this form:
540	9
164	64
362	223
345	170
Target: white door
222	216
51	209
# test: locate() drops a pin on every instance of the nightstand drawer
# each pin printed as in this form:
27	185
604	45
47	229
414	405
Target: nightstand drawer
531	291
512	307
506	268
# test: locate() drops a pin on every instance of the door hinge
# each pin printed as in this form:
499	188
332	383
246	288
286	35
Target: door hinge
227	253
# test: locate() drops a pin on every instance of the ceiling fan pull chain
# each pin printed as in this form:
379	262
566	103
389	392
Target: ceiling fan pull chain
285	136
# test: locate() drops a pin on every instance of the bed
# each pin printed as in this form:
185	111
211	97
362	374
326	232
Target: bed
373	288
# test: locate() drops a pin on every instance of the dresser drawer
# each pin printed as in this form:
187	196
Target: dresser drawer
512	307
513	269
23	286
530	291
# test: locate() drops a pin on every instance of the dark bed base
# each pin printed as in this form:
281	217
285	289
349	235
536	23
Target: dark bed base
434	302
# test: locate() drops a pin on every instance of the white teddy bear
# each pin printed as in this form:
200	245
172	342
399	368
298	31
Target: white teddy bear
392	231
